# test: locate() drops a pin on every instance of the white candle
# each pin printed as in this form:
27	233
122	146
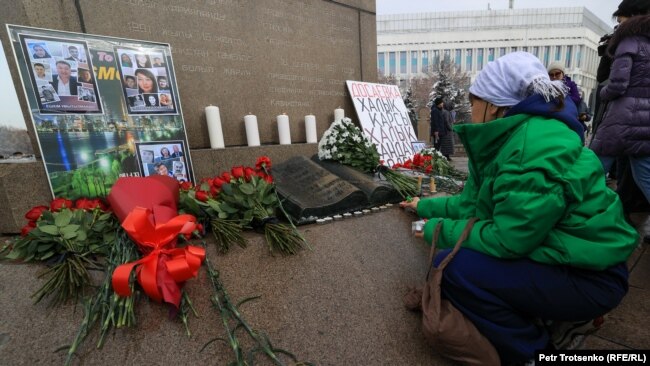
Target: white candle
214	127
310	129
252	133
339	113
283	129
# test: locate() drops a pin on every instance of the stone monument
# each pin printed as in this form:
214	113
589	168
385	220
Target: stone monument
244	56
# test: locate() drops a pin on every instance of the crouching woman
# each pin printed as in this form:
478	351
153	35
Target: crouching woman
547	254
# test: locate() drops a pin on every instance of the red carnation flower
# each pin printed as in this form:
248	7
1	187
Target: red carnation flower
201	196
218	182
35	213
428	169
226	177
88	204
214	191
268	179
27	228
248	173
263	161
58	203
237	172
186	186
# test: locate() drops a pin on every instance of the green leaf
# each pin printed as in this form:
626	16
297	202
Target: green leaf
81	236
227	208
227	188
105	216
62	218
49	229
246	188
69	235
47	255
44	247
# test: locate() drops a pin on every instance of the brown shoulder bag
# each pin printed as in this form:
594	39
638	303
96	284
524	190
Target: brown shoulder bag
445	328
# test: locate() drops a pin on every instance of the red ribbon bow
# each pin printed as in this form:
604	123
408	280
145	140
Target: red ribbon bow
164	267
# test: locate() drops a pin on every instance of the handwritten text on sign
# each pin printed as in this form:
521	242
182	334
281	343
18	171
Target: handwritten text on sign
384	119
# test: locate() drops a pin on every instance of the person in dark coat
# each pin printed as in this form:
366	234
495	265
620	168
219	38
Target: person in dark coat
447	140
439	129
631	196
626	120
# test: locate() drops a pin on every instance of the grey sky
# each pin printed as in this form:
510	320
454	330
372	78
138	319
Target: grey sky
11	114
602	8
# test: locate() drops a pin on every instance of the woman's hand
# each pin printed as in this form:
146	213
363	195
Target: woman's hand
411	204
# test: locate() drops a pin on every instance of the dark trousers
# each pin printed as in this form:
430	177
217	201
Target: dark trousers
504	298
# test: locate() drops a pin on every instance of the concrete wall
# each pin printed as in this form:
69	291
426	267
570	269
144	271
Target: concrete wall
245	56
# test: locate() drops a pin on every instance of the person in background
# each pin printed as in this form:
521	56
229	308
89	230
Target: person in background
584	114
440	131
533	273
632	197
447	141
623	130
556	71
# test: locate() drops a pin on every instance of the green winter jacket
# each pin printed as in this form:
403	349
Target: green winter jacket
538	193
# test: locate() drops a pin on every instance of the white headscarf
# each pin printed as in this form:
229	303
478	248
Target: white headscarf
514	77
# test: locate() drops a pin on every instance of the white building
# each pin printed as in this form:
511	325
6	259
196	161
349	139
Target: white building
409	43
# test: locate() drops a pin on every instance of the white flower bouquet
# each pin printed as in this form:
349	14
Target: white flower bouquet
344	142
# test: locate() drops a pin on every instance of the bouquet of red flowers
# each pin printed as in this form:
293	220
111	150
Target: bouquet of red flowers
244	197
432	163
69	236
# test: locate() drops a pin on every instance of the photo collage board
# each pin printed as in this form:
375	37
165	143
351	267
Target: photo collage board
97	103
60	72
145	82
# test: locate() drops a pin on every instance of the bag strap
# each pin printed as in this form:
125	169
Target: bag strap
450	256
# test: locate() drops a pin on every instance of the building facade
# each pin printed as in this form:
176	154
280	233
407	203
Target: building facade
409	44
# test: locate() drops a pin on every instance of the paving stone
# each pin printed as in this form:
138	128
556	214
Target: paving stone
629	323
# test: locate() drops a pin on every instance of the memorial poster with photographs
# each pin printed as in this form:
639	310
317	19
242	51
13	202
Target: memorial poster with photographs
163	158
145	83
92	109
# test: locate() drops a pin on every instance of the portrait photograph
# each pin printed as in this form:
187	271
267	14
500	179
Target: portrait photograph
151	100
86	94
38	50
73	52
145	72
163	158
58	62
42	71
418	145
47	94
